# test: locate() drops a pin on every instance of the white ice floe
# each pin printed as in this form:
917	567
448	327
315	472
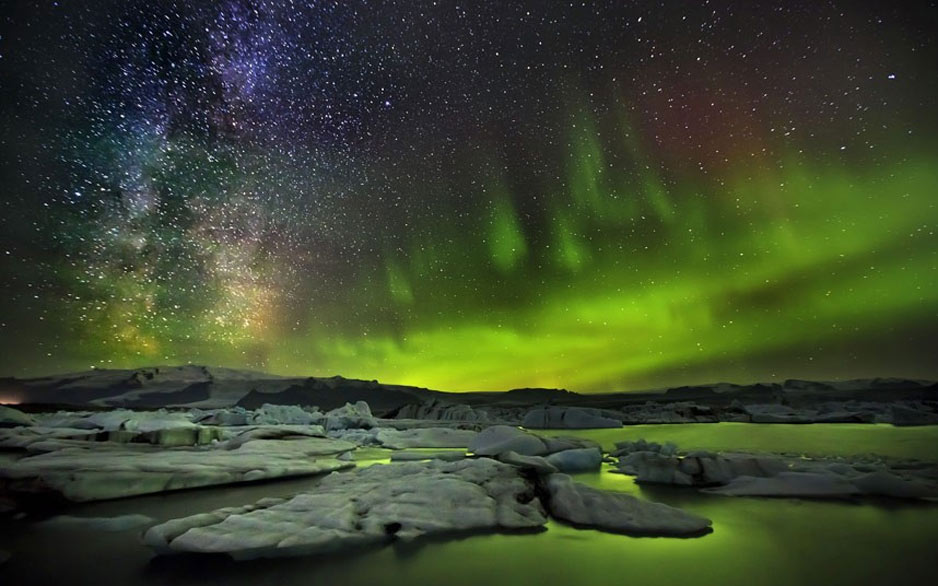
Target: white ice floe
569	418
434	437
618	512
375	504
577	460
97	472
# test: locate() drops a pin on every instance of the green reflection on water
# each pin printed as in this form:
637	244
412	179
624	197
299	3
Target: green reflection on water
755	541
841	439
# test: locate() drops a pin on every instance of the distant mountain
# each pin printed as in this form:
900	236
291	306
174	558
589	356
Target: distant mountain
211	387
538	395
204	387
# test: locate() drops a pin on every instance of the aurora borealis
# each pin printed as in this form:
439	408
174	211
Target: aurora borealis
598	196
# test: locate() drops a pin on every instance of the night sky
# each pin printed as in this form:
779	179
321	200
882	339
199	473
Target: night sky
599	196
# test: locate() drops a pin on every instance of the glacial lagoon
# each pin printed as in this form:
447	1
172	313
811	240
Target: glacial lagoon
754	540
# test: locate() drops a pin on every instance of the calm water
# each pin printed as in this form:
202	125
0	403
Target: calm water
841	439
755	541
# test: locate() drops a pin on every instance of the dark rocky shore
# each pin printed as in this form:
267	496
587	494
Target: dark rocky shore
879	400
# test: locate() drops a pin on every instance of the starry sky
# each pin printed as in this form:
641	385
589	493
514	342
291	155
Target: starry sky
600	196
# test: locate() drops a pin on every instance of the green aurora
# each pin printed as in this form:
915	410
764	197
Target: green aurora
623	284
776	259
668	213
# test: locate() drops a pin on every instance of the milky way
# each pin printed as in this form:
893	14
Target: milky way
471	195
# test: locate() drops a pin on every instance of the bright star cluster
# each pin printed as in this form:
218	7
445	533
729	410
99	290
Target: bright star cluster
471	195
